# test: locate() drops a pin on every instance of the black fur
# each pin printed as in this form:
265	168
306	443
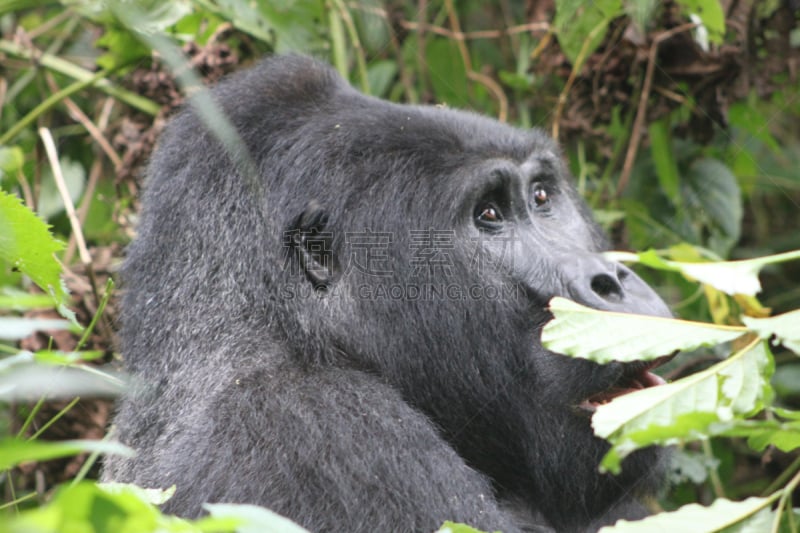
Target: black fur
283	362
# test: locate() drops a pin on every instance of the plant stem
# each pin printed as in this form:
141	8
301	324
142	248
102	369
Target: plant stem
72	70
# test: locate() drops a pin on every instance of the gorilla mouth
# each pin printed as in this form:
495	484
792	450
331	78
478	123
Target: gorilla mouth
636	377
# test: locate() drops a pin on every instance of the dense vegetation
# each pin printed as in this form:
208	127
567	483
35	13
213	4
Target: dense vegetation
680	121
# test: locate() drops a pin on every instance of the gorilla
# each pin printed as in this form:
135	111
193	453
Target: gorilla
346	329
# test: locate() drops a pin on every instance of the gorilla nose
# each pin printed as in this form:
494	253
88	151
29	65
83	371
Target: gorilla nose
613	287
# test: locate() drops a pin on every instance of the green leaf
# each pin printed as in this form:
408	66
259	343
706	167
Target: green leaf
604	336
50	202
122	48
11	160
26	243
713	193
785	327
641	12
710	13
696	518
90	507
762	433
730	277
16	451
664	159
575	20
447	72
253	519
693	407
380	75
288	25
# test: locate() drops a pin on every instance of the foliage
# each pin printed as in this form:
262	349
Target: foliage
680	126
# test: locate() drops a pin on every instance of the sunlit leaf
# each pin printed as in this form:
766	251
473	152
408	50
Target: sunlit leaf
575	20
689	408
15	328
696	518
604	336
785	327
253	519
153	496
731	277
710	13
23	379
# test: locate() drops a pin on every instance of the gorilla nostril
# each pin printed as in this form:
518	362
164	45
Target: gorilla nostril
606	287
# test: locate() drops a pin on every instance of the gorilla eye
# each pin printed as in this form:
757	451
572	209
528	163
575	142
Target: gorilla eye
540	195
488	214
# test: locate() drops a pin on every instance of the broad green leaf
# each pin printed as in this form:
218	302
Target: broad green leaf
26	243
695	518
16	451
604	336
253	519
785	327
730	277
710	13
576	20
693	407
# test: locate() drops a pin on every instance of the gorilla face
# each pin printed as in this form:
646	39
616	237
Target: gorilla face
385	275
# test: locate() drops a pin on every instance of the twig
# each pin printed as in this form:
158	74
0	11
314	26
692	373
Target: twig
87	123
45	106
641	112
82	75
83	209
576	68
479	34
486	81
356	42
58	176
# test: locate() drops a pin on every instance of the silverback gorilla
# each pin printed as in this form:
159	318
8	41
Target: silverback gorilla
349	332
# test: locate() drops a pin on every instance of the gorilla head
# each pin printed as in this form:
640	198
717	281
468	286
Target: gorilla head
347	330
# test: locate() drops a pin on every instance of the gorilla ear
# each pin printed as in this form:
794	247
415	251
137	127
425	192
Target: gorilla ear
313	246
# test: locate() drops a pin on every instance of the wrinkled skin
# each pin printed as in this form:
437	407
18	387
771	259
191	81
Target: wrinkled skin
275	366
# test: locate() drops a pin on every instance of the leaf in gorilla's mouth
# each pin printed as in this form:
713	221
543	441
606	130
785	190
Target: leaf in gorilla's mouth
631	381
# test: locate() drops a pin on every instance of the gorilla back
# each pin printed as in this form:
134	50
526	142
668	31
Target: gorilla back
346	330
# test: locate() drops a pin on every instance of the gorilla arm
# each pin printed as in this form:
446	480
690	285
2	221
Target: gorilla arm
334	446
